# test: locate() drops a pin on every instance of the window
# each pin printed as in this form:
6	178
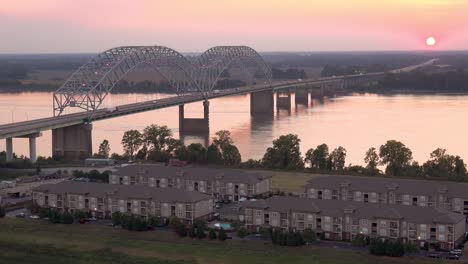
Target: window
441	228
383	232
441	237
422	227
363	221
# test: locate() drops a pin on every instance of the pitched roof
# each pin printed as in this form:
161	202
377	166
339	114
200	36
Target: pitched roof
122	191
336	208
193	173
374	184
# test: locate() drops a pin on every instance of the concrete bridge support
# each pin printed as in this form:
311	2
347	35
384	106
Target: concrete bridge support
195	125
262	103
283	100
9	149
302	96
73	142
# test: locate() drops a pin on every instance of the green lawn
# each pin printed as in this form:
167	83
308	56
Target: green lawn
36	241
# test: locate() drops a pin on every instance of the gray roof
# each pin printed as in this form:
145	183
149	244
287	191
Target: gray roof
122	191
378	185
336	208
193	173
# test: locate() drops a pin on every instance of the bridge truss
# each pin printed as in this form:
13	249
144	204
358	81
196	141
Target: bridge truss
91	83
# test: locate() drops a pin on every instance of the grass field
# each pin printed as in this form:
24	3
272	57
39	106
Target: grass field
35	241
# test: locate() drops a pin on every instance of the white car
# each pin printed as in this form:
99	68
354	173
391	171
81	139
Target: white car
34	216
456	252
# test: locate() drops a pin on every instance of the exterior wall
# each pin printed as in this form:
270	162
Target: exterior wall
346	227
218	187
102	207
392	196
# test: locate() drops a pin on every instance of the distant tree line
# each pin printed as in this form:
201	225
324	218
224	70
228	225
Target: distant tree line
453	81
336	70
288	74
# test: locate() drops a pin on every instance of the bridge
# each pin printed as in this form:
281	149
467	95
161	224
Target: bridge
193	81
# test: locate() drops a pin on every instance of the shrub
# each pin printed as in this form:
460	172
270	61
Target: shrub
191	232
212	234
154	221
411	248
66	218
359	241
308	236
117	218
200	232
182	231
222	235
242	232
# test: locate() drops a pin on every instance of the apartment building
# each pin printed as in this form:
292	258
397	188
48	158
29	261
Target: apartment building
101	200
343	220
452	196
222	184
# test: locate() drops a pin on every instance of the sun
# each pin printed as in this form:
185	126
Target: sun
431	41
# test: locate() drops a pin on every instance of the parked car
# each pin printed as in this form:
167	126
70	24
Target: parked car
434	255
34	217
454	257
456	252
21	215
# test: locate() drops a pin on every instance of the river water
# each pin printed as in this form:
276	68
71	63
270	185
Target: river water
356	122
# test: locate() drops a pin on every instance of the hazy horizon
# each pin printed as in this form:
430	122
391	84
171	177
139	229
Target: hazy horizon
65	26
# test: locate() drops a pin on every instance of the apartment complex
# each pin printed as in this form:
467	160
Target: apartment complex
222	184
452	196
343	220
101	200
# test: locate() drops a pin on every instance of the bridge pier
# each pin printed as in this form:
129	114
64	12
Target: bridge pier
73	142
283	100
9	149
195	125
302	96
262	103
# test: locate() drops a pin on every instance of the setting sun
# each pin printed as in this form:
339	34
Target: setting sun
430	41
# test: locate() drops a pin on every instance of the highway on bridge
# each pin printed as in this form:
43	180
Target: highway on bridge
35	126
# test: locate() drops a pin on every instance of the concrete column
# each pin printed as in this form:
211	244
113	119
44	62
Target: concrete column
302	96
32	149
283	100
262	103
73	142
181	118
206	110
9	149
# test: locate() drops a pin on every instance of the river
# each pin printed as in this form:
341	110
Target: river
356	122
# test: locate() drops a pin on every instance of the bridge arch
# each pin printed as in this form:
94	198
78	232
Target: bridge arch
216	60
91	83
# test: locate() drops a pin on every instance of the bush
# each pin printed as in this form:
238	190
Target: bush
411	248
182	231
200	232
2	212
80	214
222	235
174	223
34	208
154	221
191	232
66	218
117	218
212	234
242	232
359	241
308	236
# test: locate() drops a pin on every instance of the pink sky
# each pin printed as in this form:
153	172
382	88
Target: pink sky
266	25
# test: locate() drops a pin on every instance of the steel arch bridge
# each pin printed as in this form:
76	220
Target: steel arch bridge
91	83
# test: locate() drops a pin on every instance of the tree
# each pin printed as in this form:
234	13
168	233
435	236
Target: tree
116	218
212	234
396	156
285	153
213	155
318	158
104	149
158	138
372	160
231	155
444	165
338	158
131	142
222	235
194	152
66	218
2	212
